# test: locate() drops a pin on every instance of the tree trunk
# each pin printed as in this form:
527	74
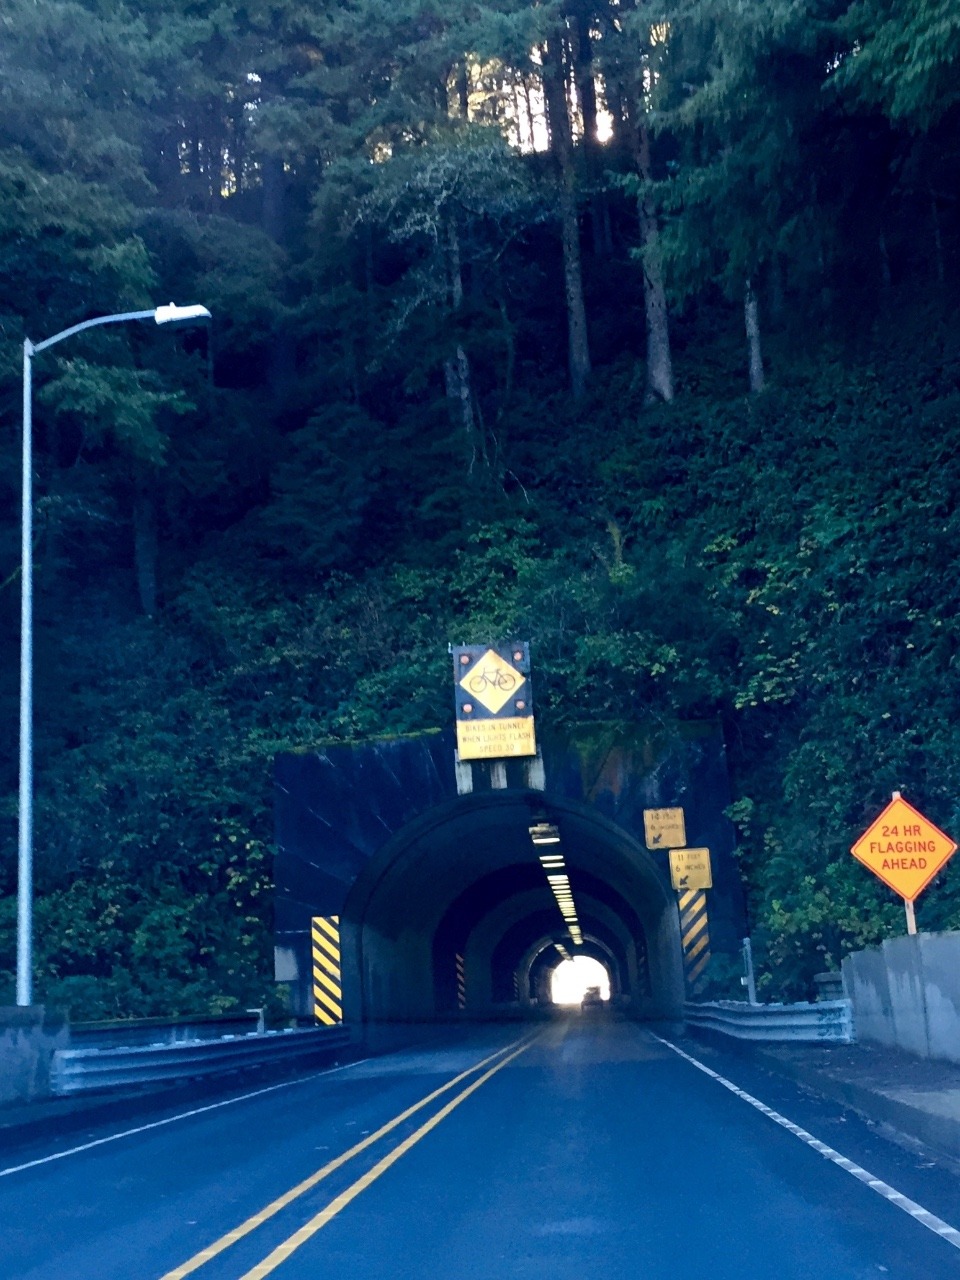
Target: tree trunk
754	355
777	303
529	115
463	91
937	238
554	84
613	92
886	276
274	197
145	543
456	372
456	368
453	266
586	85
281	370
659	358
587	103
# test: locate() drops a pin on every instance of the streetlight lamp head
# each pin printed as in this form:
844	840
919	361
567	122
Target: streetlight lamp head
170	313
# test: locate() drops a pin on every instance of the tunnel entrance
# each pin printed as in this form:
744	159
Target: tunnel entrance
438	890
457	912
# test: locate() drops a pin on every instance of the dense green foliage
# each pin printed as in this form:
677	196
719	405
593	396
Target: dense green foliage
263	536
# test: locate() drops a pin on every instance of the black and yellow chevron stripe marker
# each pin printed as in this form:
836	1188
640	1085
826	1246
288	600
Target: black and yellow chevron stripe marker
327	991
694	936
461	983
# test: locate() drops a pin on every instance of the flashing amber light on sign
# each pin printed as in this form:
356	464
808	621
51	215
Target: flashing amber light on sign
518	655
520	704
468	707
464	659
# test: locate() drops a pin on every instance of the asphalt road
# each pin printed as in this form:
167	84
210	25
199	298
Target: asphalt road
584	1147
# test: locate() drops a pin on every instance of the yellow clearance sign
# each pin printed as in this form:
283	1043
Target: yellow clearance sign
664	828
904	849
690	869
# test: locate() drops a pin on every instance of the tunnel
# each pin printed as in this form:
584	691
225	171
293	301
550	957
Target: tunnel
411	886
455	914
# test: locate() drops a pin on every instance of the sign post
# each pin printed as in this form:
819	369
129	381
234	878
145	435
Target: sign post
911	915
905	850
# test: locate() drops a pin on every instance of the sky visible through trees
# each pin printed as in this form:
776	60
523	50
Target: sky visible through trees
627	328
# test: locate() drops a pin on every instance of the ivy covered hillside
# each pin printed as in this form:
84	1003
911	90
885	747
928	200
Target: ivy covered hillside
627	328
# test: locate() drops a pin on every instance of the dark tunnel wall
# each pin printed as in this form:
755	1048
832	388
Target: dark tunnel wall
419	874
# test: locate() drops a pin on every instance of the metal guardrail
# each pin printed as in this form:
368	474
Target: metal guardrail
824	1022
130	1033
86	1070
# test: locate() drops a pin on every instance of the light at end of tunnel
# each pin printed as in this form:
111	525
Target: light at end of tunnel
575	976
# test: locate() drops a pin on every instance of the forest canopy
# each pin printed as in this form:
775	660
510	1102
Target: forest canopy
627	328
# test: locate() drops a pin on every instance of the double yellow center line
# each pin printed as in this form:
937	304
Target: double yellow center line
488	1066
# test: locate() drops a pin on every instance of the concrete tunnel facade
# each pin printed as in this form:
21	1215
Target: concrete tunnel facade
442	905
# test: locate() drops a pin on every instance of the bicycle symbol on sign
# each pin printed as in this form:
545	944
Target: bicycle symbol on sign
504	681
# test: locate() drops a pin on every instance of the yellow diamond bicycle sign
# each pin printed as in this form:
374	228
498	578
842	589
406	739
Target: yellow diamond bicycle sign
494	701
492	681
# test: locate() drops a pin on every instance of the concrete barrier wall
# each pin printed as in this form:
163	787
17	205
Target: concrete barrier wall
906	993
28	1038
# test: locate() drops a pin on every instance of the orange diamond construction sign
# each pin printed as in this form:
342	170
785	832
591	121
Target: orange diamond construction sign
904	849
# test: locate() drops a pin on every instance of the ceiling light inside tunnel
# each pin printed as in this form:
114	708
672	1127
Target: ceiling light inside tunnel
544	833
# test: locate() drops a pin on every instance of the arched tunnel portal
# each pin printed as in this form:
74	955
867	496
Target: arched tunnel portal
443	917
433	877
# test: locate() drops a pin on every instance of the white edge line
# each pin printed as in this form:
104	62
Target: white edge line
910	1207
183	1115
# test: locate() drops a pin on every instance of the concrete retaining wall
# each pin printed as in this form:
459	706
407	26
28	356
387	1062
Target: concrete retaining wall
906	993
28	1038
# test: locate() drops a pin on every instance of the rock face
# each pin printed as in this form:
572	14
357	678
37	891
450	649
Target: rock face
352	820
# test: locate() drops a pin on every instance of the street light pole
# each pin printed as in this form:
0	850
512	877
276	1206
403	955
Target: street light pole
25	836
162	315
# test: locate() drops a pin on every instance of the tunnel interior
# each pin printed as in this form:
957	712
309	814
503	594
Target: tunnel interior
468	910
